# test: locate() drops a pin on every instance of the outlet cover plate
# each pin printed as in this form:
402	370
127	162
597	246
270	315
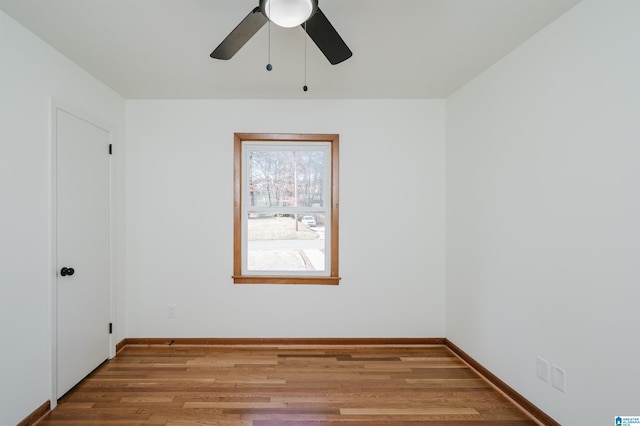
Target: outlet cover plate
171	311
558	379
542	368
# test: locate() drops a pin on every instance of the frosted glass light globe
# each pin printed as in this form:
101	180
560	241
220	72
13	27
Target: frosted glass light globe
288	13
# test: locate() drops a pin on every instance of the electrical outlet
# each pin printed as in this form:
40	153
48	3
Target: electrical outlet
558	379
542	369
171	311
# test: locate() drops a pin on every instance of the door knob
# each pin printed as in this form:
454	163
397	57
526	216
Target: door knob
67	271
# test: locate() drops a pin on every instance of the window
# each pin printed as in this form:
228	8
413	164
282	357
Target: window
285	208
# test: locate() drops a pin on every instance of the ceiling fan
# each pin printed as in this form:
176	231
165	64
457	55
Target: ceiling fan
288	14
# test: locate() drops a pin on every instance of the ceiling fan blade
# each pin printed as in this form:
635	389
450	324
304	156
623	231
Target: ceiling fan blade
240	35
327	38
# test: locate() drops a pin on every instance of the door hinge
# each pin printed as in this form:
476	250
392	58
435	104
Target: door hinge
110	149
110	328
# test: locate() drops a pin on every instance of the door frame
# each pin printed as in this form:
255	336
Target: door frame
56	105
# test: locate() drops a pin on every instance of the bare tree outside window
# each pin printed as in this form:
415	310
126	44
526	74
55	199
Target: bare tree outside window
286	178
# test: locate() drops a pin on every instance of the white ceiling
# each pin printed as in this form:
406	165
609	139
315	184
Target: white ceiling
159	49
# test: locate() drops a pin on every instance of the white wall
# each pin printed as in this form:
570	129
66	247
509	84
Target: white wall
31	72
543	229
180	221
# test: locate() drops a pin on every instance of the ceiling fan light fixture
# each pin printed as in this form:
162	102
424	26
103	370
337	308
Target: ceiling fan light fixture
288	13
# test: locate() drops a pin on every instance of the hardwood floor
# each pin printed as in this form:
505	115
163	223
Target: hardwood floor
286	386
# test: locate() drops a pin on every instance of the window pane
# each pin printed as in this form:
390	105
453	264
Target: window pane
286	178
282	243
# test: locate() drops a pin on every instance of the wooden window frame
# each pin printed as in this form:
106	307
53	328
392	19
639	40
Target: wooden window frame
238	277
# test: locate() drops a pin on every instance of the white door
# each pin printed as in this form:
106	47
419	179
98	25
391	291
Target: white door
82	248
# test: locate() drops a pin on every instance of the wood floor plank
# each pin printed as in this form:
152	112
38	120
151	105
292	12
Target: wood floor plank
334	385
394	422
439	411
208	423
232	405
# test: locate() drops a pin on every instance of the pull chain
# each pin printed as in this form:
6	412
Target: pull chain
269	66
305	88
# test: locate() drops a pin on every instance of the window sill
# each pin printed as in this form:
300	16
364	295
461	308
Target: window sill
271	279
